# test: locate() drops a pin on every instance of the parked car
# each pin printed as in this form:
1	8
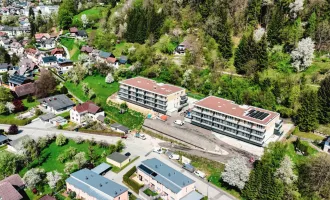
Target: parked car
127	154
158	150
143	137
174	157
200	174
124	137
188	167
179	122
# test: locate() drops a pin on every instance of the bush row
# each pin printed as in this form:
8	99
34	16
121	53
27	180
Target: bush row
133	185
18	122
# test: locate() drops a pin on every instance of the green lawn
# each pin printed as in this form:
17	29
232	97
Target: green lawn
103	90
94	14
297	159
2	148
150	193
65	115
30	105
72	46
119	48
51	153
309	135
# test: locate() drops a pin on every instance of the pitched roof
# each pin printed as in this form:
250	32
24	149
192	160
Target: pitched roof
25	89
104	54
5	65
118	157
57	102
49	59
57	51
40	35
88	106
120	127
73	30
47	116
47	197
101	168
8	192
14	180
167	176
31	51
17	79
3	138
86	49
228	107
111	60
82	33
123	59
95	185
152	86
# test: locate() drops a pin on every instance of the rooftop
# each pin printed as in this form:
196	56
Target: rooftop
14	180
118	157
17	79
47	116
25	89
164	174
8	192
57	102
152	86
120	127
228	107
88	106
49	59
95	185
3	138
101	168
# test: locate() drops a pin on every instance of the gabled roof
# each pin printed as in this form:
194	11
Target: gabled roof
95	185
47	197
31	51
120	127
86	49
111	60
5	66
73	30
17	79
49	59
82	33
123	59
57	102
14	180
25	89
38	36
104	55
118	157
88	106
8	192
57	51
167	176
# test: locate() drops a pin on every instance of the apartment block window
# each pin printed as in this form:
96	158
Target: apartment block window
260	127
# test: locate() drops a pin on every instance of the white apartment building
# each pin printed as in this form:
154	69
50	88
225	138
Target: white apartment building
162	98
85	111
247	123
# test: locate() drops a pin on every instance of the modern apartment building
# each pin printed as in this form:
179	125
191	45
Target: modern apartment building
167	182
246	123
162	98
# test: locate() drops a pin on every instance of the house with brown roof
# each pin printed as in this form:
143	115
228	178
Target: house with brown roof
113	62
86	49
58	52
85	112
24	90
73	31
10	188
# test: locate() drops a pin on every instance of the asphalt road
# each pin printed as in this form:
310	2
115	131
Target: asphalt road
136	147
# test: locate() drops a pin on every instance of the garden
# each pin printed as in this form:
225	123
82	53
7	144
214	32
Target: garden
73	47
103	90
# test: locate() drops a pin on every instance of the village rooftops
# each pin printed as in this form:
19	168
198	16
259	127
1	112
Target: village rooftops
87	107
49	59
57	102
152	86
25	89
244	112
73	30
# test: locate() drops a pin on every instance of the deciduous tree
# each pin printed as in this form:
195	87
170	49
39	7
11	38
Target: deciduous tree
33	177
53	178
236	172
45	85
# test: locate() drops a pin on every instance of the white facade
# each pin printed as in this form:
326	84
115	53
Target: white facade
80	118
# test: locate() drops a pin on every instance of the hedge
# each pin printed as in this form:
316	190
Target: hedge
131	183
18	122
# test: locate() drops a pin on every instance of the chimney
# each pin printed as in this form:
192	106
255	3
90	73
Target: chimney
100	185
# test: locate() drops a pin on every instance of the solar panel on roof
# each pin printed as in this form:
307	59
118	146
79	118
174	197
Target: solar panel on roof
257	114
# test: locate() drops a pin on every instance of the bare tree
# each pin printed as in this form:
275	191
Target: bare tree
45	85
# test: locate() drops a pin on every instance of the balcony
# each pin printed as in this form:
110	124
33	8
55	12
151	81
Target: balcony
244	124
208	119
132	90
257	135
256	141
206	124
229	132
161	98
259	129
244	131
123	87
242	136
140	92
123	90
279	123
162	103
207	113
196	114
150	100
219	116
232	120
150	95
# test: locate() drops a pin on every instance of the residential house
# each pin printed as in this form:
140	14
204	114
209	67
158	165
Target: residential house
25	90
17	80
82	34
64	65
86	49
89	185
45	41
48	61
247	123
85	112
4	67
123	60
166	181
57	104
10	188
118	159
5	43
103	56
46	117
46	10
162	98
47	197
113	62
27	68
16	47
41	36
58	52
73	31
58	121
3	35
119	128
12	31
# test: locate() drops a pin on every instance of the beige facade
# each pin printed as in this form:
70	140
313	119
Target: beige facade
118	164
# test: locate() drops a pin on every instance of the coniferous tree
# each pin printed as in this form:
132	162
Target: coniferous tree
253	12
241	55
307	115
32	22
324	101
262	53
66	12
275	26
311	27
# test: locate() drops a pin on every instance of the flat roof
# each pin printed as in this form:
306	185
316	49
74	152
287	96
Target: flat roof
118	157
193	195
152	86
101	168
230	108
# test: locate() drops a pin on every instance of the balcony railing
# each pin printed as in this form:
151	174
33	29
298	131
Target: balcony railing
207	113
259	129
244	124
257	135
150	95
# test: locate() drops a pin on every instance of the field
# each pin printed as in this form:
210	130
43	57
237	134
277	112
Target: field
103	90
297	159
93	14
72	46
309	135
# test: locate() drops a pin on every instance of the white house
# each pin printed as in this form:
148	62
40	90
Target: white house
85	111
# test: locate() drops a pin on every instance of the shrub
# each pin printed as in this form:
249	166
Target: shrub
38	112
78	140
60	140
133	185
13	129
60	127
30	99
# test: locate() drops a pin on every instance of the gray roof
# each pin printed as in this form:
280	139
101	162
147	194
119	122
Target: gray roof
193	195
101	168
120	127
95	185
47	116
3	138
104	54
58	119
57	102
167	176
5	65
17	79
118	157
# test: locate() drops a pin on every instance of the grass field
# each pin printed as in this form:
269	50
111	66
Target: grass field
103	91
72	47
11	118
297	159
309	135
93	14
51	153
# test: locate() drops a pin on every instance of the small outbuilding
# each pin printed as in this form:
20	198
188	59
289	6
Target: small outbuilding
102	169
3	139
119	128
118	159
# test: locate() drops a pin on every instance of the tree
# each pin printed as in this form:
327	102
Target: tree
66	12
84	20
10	107
303	55
323	95
311	26
60	140
78	140
5	95
33	177
4	56
253	12
307	114
5	77
3	108
314	177
80	159
109	78
70	167
120	145
9	164
19	106
14	59
236	172
45	85
296	7
285	171
13	129
53	178
91	94
32	22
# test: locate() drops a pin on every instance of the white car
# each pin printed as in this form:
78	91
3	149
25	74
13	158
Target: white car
157	150
179	122
143	137
174	157
200	174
